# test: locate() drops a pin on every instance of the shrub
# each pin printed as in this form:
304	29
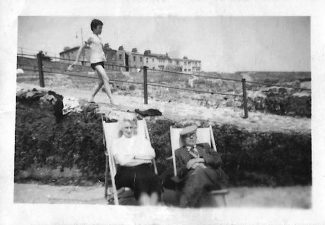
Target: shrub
257	158
160	141
74	141
281	101
132	87
249	158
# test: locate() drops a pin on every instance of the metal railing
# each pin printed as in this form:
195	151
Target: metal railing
41	70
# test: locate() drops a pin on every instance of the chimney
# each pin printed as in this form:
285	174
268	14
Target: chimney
147	52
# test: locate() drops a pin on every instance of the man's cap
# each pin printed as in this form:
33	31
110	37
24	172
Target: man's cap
188	130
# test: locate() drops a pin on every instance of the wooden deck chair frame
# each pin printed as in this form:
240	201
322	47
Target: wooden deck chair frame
204	135
111	132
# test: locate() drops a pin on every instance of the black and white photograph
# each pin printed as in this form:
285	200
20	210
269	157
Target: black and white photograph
162	118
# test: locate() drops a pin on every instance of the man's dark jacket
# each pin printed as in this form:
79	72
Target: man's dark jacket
212	162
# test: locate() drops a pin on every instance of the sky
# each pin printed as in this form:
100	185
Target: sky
223	44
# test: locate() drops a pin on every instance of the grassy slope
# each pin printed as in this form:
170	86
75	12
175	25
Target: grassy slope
191	111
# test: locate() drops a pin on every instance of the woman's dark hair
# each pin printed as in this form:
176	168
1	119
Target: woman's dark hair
95	23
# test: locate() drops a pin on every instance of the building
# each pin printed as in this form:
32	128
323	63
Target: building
69	55
118	59
164	62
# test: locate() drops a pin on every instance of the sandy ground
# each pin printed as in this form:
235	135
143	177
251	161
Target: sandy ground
179	111
281	197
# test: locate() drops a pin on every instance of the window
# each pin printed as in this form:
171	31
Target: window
153	59
147	60
177	62
189	70
134	58
120	56
185	63
189	63
185	70
140	59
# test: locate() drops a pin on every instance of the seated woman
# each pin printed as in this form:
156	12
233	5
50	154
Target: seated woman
133	154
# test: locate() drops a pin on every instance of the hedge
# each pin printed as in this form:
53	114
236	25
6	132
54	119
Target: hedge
249	158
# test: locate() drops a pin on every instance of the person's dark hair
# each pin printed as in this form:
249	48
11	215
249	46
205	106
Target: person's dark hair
94	23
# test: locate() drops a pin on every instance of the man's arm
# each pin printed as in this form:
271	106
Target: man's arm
181	165
211	157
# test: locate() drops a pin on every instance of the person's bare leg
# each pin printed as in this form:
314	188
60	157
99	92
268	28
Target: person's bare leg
102	74
96	89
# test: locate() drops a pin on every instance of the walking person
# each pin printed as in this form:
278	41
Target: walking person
97	59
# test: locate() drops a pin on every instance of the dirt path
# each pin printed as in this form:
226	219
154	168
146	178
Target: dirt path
286	197
181	111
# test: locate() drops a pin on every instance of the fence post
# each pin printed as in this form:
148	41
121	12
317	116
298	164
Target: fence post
145	85
40	68
244	98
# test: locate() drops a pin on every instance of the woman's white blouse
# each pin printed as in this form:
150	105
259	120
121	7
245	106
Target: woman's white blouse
132	151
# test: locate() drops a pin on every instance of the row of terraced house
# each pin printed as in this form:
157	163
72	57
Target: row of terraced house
133	60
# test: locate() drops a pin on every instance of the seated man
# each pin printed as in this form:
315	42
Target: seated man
133	154
198	168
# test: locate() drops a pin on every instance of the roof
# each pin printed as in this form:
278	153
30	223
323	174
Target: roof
192	60
160	56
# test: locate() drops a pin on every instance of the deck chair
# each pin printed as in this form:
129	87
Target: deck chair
204	135
111	132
